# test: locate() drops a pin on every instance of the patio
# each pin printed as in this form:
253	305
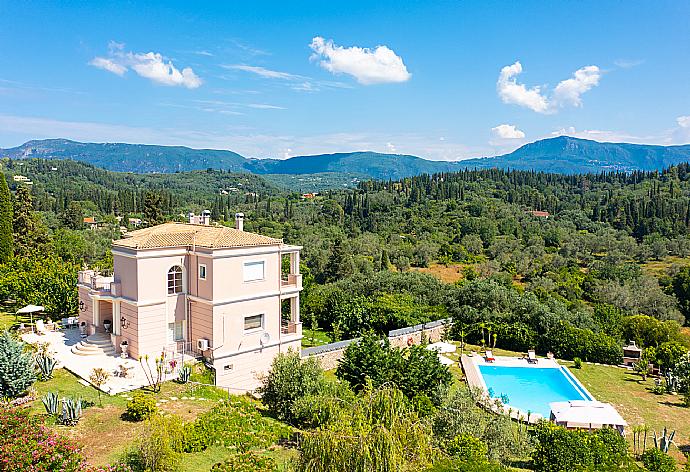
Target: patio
60	344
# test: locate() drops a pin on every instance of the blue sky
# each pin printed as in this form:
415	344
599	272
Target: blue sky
443	80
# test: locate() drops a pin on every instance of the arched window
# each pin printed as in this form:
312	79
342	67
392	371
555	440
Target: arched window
175	280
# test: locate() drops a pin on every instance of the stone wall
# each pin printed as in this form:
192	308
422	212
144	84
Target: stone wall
330	354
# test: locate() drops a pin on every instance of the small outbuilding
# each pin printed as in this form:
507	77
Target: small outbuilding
586	414
631	354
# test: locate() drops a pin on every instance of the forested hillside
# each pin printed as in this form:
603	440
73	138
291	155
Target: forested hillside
533	253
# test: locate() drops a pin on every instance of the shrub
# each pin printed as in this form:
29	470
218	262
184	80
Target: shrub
560	450
46	365
290	379
184	374
577	363
246	462
26	444
159	446
141	406
655	460
568	342
16	367
468	448
415	370
50	403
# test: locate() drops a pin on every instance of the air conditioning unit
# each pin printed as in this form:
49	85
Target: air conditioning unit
202	344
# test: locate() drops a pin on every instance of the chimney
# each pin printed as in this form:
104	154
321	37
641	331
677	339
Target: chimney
205	217
191	218
239	221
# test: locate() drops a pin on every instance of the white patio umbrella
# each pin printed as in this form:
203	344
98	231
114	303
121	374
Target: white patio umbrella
30	309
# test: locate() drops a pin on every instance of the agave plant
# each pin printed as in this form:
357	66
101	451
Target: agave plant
50	403
71	411
664	441
184	374
45	364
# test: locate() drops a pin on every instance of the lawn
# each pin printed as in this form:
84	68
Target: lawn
635	402
105	435
314	337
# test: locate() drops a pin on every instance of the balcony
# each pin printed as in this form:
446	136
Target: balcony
292	281
290	327
98	282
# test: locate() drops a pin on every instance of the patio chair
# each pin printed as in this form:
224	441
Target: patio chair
489	356
64	323
72	321
40	327
532	357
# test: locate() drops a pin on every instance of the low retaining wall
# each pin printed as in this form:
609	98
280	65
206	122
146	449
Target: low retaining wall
330	354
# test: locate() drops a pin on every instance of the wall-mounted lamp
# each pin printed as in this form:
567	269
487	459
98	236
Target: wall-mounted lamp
124	322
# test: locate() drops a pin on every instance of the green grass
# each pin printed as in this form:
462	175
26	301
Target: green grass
9	320
634	400
314	337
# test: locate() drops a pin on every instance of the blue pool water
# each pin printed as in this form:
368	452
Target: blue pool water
532	388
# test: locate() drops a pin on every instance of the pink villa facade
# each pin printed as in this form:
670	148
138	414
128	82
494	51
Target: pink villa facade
222	293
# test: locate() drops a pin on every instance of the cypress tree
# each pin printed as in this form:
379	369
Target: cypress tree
6	241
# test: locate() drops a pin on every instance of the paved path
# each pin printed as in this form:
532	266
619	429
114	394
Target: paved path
60	344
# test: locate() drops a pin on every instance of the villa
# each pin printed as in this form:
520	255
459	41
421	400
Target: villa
221	293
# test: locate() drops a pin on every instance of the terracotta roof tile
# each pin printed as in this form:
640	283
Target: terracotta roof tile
183	234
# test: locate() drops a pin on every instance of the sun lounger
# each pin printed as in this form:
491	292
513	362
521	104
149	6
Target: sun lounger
532	357
40	327
489	356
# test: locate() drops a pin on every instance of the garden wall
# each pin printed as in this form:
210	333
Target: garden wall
330	354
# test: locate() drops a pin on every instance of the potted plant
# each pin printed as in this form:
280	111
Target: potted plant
107	325
124	346
82	329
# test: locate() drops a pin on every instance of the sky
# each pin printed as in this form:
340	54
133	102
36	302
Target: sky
442	80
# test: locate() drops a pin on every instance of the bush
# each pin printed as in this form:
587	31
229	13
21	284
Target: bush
290	379
577	363
468	448
656	460
141	406
568	342
246	462
415	371
159	446
561	450
16	367
26	444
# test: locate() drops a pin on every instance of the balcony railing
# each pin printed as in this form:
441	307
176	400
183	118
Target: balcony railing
292	280
289	327
96	281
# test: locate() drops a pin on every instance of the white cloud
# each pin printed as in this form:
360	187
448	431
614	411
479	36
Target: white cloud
517	94
380	65
264	106
391	147
567	92
507	132
150	65
628	63
154	67
109	65
683	121
263	72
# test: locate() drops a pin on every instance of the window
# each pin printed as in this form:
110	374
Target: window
253	322
253	271
202	271
175	280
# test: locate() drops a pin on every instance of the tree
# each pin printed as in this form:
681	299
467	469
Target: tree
681	289
16	367
98	378
6	241
29	233
153	208
73	217
290	379
669	354
379	431
416	371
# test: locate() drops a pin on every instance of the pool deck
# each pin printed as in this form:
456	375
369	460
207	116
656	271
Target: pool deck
475	380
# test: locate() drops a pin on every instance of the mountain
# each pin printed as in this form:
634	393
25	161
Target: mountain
567	155
140	158
562	154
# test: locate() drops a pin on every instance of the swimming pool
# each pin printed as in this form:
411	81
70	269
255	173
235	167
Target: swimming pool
532	388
